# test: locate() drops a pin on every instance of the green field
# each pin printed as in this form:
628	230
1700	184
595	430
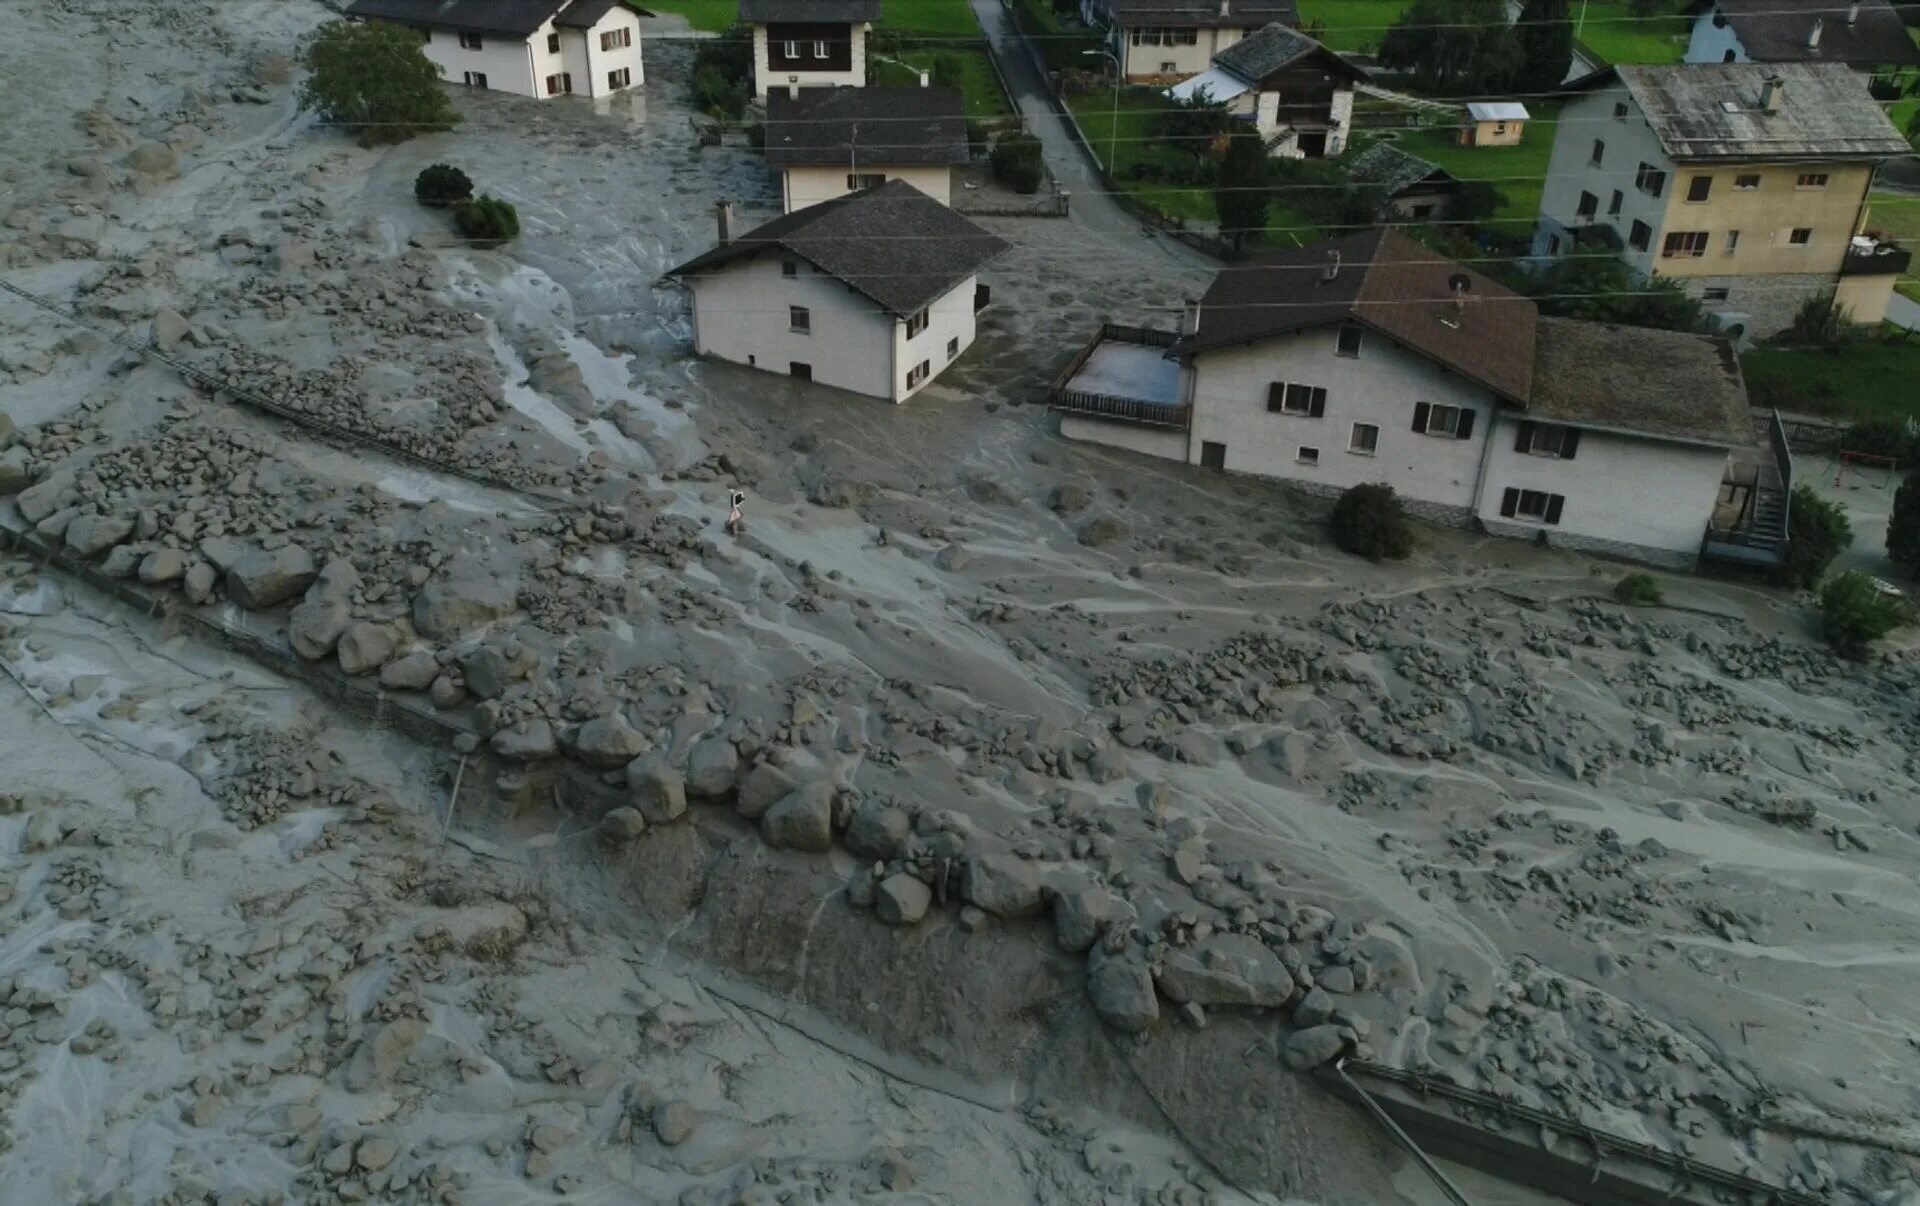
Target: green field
1898	217
1861	381
1352	25
984	99
1611	31
1519	172
922	18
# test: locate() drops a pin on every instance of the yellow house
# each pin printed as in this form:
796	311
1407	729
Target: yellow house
1746	182
1494	124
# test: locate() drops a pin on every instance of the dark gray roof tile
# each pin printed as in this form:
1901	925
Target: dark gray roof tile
856	126
1776	31
811	12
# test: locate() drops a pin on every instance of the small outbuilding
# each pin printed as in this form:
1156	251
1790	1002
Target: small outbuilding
1410	187
1494	124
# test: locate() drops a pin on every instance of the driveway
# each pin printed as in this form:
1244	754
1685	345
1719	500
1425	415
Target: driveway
1903	312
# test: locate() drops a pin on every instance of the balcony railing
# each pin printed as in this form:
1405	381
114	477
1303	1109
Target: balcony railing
1125	410
1878	260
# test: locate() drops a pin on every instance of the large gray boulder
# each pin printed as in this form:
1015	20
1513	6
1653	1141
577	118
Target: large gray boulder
760	788
877	830
657	791
1307	1049
44	497
713	767
901	899
365	646
1122	994
802	820
162	566
1003	884
607	742
15	474
527	741
316	622
1227	969
91	535
1081	913
414	672
486	672
463	600
264	578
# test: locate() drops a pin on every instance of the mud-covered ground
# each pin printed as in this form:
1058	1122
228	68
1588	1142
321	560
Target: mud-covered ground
1652	868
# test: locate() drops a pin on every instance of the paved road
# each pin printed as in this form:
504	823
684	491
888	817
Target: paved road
1903	312
1091	209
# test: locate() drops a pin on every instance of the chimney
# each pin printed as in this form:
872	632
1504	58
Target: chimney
793	88
1225	6
1770	94
1190	321
924	78
1813	35
1333	268
723	214
1853	12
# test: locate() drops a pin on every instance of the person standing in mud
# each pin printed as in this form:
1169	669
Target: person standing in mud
735	521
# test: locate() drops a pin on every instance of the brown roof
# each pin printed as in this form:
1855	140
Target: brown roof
1419	298
1666	384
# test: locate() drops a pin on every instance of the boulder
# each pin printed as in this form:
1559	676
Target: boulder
414	672
292	255
1002	884
713	767
168	329
1314	1009
485	671
877	830
953	558
222	553
364	646
199	582
162	566
1081	913
802	820
16	473
314	626
1122	994
606	742
760	788
264	578
462	601
1227	969
42	499
901	899
91	535
155	159
6	429
657	791
1308	1049
528	741
673	1122
623	824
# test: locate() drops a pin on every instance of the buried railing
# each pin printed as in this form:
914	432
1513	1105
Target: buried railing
1126	410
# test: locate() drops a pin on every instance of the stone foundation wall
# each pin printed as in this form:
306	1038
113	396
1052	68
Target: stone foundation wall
1620	549
1770	302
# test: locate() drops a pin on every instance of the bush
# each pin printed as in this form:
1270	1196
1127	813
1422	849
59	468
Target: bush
1903	526
1638	590
1017	164
1819	323
1855	611
1368	522
486	220
949	71
1817	532
1883	437
1474	201
722	80
976	138
442	185
373	79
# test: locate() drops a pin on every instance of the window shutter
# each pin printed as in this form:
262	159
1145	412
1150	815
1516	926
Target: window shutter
1318	406
1569	442
1510	502
1420	417
1463	430
1554	502
1523	442
1276	395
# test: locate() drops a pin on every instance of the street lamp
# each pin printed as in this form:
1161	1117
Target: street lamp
1113	118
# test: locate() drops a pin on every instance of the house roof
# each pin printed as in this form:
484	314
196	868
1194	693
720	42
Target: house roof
1385	281
890	126
585	14
1275	47
1202	13
1711	111
1217	84
1496	111
835	12
1776	31
1665	384
892	243
1394	170
506	18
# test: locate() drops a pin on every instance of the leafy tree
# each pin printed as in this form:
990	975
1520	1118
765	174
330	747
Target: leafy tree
1193	126
372	78
1903	526
1240	197
1454	46
486	220
1545	38
1017	164
1321	189
1474	201
442	184
722	79
1856	611
1369	522
1601	287
1818	532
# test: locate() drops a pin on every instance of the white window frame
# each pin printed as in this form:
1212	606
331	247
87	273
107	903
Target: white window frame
553	43
1811	181
790	51
1307	455
916	323
1546	440
1536	516
1732	243
1747	182
918	374
1292	389
819	49
1346	330
1794	241
620	77
1435	428
1353	439
475	79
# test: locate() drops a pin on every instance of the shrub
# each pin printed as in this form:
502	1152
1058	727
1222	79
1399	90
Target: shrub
1474	201
1883	437
949	71
976	138
722	79
373	79
1638	590
1017	164
1855	611
1817	532
1819	323
442	185
486	220
1903	525
1369	522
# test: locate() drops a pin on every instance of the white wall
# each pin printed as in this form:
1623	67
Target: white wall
1618	489
1380	386
1147	62
1710	43
523	67
949	319
1152	441
508	65
1630	141
581	54
804	186
765	78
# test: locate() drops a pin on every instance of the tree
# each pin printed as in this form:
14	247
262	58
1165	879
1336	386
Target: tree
722	78
1240	197
1193	126
1369	522
1017	163
1545	38
1599	286
373	79
1903	526
1474	201
1818	532
442	185
487	221
1856	610
1454	46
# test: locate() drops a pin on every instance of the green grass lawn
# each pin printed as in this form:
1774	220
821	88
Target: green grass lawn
1898	217
1352	25
1519	172
1862	381
1611	31
984	99
923	18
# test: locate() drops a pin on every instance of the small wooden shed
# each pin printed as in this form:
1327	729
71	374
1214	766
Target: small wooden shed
1494	124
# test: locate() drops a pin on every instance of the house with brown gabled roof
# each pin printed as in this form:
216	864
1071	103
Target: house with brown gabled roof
537	48
1370	358
1297	94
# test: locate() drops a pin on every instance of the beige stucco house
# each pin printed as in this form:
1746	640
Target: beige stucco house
874	292
1296	92
1165	41
1745	182
1494	124
809	43
537	48
827	142
1370	359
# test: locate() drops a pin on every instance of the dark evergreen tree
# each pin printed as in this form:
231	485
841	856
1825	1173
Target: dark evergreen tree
1545	37
1240	197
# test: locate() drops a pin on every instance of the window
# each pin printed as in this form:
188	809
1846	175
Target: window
859	180
1811	180
918	374
1599	153
799	371
953	347
469	41
819	50
1619	110
1729	56
1714	293
1800	236
916	323
553	43
1349	343
1285	398
1688	243
1589	205
1746	182
1307	456
800	319
616	39
1535	505
475	79
1553	244
1547	439
1365	439
1499	127
1153	35
556	84
619	79
1436	420
1650	180
1613	205
1733	241
789	268
1639	235
1699	187
789	51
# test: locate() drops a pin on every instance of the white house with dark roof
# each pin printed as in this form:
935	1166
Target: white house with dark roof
1296	92
827	142
1866	35
537	48
809	43
1165	41
1372	359
874	292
